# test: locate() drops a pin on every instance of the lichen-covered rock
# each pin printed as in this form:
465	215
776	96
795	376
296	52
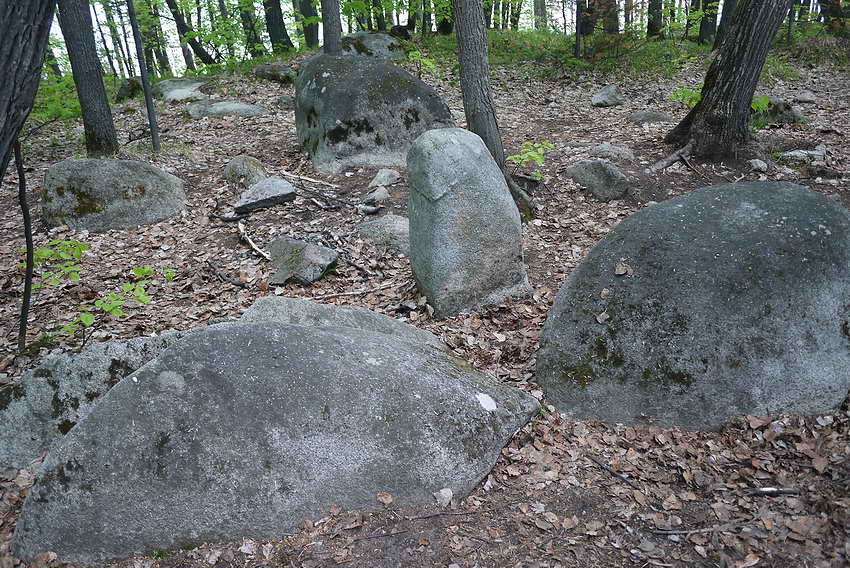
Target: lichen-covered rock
180	89
612	152
300	261
729	300
203	109
245	169
359	111
385	177
267	192
649	117
391	231
602	178
465	231
103	194
607	96
130	88
59	393
372	44
244	430
277	72
298	311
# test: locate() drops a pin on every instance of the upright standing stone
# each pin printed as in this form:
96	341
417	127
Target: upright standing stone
465	232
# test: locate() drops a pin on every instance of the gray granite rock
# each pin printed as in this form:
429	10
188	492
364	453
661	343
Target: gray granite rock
103	194
391	231
649	117
277	72
602	178
180	89
379	195
729	300
265	193
245	169
816	155
385	177
203	109
608	96
244	430
612	152
373	44
300	261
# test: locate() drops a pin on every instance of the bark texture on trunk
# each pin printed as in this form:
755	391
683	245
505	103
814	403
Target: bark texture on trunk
331	27
719	125
26	28
540	14
185	31
276	27
75	21
655	19
708	23
311	31
727	19
248	18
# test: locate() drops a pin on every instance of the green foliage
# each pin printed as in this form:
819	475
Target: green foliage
760	104
56	99
422	63
687	96
59	260
531	152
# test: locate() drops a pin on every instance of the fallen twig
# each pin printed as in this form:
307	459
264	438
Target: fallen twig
356	292
625	479
663	163
305	178
371	536
688	163
323	196
225	277
443	514
713	528
243	234
771	491
229	219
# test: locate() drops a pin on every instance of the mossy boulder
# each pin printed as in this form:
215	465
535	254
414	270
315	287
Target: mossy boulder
359	111
373	44
103	194
730	300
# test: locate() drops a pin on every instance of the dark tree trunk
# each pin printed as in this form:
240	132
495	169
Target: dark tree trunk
185	31
628	10
475	88
276	27
505	14
539	8
380	17
577	48
188	59
611	17
106	50
718	126
708	23
75	21
299	19
727	19
655	20
131	69
516	12
26	28
248	18
121	55
311	31
789	32
146	86
331	27
488	11
412	15
161	47
426	17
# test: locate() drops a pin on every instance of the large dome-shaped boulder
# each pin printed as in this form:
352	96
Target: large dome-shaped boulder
359	111
731	300
372	44
99	195
245	430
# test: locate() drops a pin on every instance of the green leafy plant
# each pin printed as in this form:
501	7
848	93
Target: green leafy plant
687	96
422	63
59	260
531	152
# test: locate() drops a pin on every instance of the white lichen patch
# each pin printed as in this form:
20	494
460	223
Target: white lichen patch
486	402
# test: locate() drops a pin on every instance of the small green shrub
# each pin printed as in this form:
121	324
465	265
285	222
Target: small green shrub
531	152
422	63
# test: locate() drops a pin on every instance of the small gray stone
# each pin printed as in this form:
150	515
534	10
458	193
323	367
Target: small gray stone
649	117
286	101
245	169
758	165
373	44
805	97
391	231
385	177
203	109
612	152
607	96
380	194
244	430
300	261
465	231
265	193
103	194
180	89
818	154
304	312
277	72
602	178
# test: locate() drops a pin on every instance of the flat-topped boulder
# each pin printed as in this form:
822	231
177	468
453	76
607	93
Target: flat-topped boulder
244	430
730	300
373	44
103	194
360	111
180	89
210	108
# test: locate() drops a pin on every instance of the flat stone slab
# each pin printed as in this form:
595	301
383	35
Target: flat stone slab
602	178
649	117
180	89
300	261
385	177
203	109
268	192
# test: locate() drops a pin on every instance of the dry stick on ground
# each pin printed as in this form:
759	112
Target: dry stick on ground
357	292
302	187
625	479
225	277
663	163
369	537
771	491
714	529
25	211
688	163
243	234
305	178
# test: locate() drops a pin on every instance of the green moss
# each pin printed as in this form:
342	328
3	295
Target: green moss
348	129
135	192
65	426
581	375
86	204
10	393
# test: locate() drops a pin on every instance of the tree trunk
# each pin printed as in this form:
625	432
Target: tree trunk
380	17
331	27
50	61
188	59
426	17
718	126
516	12
708	23
248	18
504	17
26	29
185	31
727	19
475	88
121	55
577	48
789	32
131	69
412	15
161	46
75	21
276	27
611	20
146	86
106	50
540	14
628	10
311	30
655	20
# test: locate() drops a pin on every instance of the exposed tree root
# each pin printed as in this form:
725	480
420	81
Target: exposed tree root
680	154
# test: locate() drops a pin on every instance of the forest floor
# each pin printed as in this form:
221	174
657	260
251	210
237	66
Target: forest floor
675	497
